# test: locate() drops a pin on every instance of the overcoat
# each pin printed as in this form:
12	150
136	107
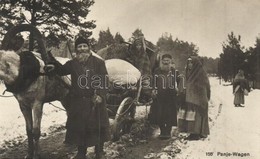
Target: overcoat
163	110
87	123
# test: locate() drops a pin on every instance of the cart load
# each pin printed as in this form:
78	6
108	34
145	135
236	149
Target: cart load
121	72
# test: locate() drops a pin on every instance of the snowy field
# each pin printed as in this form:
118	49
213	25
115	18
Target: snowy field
234	134
234	130
12	123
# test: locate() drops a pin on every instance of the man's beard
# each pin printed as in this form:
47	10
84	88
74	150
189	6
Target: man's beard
82	57
165	67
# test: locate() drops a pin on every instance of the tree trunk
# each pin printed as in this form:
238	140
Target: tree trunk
33	23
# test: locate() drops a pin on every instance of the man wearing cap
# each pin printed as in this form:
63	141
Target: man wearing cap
164	112
87	124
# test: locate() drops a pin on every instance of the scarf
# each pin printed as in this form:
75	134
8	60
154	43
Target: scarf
240	81
197	86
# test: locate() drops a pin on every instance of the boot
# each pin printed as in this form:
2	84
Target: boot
162	131
100	154
168	130
166	133
193	137
81	153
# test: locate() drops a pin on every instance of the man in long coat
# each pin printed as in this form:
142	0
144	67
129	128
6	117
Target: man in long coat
163	110
87	123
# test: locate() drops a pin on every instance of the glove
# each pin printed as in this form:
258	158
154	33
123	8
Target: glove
97	99
154	93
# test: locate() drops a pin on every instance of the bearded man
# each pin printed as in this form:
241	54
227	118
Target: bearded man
164	107
87	123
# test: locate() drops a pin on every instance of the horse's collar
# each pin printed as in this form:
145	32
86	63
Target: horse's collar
28	73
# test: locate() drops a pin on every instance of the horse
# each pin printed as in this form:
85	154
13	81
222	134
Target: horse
23	75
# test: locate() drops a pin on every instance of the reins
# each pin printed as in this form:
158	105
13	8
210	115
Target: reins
3	96
57	107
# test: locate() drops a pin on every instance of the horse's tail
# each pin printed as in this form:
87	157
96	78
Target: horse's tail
6	45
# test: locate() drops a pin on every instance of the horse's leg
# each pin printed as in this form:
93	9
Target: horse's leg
27	113
37	116
68	137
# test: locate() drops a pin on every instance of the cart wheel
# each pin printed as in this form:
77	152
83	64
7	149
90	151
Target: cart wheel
124	118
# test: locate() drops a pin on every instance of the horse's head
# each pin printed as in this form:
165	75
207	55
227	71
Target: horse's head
9	66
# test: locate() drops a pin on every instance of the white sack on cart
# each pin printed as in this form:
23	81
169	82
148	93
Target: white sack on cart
122	72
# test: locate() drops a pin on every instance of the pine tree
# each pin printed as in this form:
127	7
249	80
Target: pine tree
136	34
180	50
57	19
105	39
118	38
232	58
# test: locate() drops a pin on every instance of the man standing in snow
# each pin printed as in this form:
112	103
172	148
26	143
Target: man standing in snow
163	109
88	123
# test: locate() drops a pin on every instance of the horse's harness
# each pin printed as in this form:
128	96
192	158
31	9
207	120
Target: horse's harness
21	84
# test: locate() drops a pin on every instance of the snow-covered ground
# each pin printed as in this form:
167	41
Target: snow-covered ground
232	129
236	131
12	123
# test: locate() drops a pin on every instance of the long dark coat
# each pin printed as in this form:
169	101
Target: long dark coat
87	123
163	110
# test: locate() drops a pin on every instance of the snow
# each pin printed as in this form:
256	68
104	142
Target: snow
12	123
235	130
232	129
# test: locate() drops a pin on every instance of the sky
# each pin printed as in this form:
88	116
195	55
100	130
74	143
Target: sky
206	23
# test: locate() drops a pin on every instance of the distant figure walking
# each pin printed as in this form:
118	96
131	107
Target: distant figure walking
193	115
240	89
